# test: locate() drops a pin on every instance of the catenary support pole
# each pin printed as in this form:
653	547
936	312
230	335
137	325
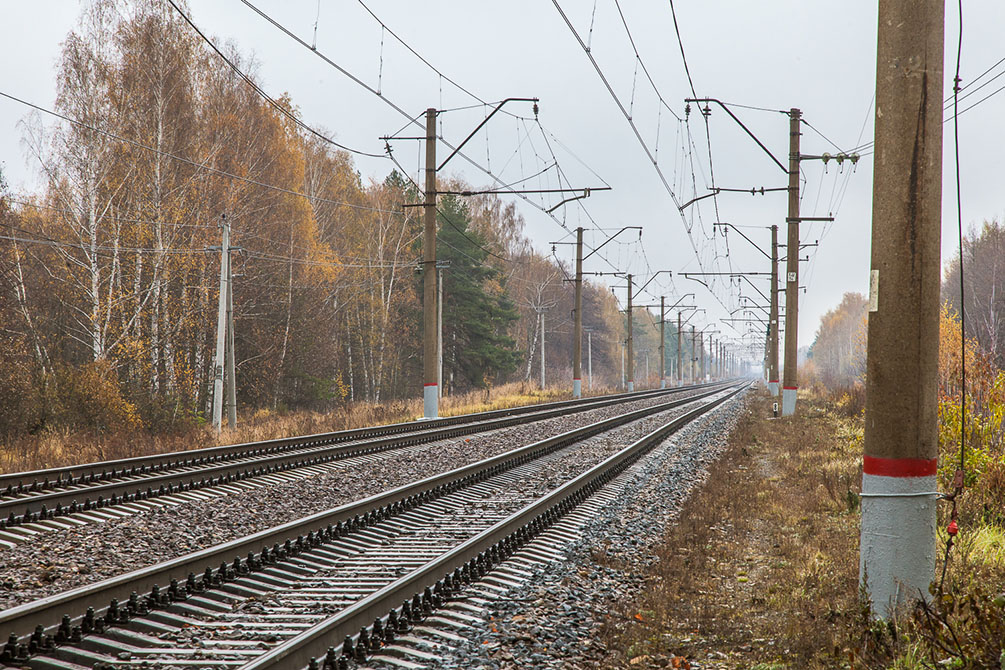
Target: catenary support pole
693	356
701	355
663	321
230	381
577	333
439	332
680	379
693	360
790	383
631	342
221	329
773	317
623	385
430	376
589	358
897	560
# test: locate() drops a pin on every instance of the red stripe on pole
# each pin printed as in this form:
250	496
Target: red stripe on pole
790	388
899	467
772	381
576	379
433	384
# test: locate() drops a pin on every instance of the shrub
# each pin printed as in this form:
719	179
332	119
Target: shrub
89	396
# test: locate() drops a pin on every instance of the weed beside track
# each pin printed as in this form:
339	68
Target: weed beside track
761	570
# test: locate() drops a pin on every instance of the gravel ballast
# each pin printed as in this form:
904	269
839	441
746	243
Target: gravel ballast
552	620
64	559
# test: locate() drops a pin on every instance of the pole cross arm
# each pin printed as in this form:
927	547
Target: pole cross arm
533	191
484	121
686	295
638	228
649	281
741	233
586	194
721	274
745	128
718	189
684	323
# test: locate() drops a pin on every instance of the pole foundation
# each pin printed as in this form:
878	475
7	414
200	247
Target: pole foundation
631	386
897	559
773	388
577	388
430	401
663	383
789	401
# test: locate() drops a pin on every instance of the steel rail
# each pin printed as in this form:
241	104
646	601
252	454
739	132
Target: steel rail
259	459
176	573
36	478
314	643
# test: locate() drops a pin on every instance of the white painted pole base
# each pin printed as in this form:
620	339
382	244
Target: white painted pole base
663	383
430	402
577	388
631	386
788	402
773	388
897	558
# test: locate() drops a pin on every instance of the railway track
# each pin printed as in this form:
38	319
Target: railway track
349	579
39	501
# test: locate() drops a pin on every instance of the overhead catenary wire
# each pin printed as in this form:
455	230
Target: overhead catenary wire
258	89
188	161
390	103
414	121
628	118
454	225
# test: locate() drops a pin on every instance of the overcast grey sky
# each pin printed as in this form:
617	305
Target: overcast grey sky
818	56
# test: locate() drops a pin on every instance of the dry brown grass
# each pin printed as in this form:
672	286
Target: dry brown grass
761	567
55	448
761	570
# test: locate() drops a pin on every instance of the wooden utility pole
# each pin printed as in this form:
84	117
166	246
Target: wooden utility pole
430	376
577	334
221	326
897	561
773	317
790	379
631	350
663	320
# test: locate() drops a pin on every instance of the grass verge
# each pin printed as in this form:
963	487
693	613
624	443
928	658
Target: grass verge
761	568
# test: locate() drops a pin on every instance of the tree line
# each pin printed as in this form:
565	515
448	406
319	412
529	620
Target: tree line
109	283
838	351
